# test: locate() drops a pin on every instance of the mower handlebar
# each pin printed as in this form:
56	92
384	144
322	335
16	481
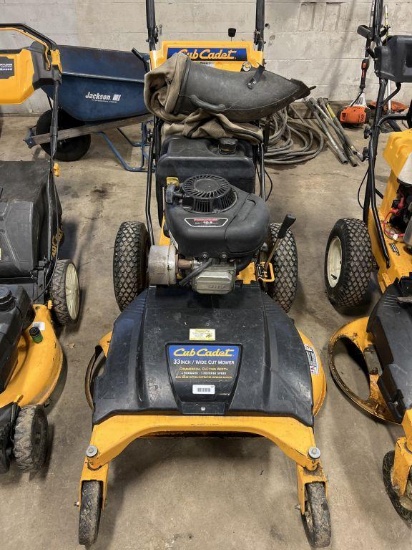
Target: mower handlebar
260	24
152	31
31	33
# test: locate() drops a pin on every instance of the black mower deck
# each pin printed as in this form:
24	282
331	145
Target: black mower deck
256	365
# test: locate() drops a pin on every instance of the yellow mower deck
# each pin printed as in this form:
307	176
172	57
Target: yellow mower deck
38	365
112	436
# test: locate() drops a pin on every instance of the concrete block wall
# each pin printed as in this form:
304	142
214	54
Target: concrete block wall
314	41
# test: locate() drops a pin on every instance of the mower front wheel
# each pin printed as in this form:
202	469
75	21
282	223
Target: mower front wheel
402	504
30	438
90	512
285	267
131	249
65	292
316	519
348	263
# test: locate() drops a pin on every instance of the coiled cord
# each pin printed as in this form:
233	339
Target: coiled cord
292	140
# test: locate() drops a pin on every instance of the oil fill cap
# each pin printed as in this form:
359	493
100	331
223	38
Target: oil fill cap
6	299
227	146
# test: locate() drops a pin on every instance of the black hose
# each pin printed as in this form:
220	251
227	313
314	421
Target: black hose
195	272
292	141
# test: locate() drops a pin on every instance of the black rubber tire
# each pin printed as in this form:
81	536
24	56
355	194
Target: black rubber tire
285	267
68	150
31	438
58	293
90	512
130	255
351	289
316	519
387	468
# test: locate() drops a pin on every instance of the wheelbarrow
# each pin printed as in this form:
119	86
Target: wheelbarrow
101	90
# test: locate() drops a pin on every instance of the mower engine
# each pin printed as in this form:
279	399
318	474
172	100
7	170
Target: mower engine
215	229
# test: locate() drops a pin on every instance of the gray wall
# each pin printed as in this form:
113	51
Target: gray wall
314	41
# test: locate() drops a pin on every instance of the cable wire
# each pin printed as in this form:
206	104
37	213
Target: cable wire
292	140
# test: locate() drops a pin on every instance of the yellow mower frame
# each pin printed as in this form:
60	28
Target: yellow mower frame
397	153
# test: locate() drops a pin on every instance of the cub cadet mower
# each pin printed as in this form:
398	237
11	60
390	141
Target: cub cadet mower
200	345
385	234
34	284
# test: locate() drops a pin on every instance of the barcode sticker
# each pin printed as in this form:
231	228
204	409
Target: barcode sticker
312	359
202	389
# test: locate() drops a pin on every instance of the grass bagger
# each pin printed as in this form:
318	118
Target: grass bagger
203	344
381	343
36	288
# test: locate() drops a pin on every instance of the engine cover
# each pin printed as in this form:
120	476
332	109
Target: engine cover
182	157
208	216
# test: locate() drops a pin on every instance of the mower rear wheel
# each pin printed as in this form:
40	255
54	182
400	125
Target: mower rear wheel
316	519
402	504
131	249
65	292
90	512
348	263
68	150
285	267
30	438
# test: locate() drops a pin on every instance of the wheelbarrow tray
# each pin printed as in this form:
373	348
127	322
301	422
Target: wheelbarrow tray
100	85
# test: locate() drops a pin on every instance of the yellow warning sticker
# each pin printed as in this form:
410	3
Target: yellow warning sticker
202	334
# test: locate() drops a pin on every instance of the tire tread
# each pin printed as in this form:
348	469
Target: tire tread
357	263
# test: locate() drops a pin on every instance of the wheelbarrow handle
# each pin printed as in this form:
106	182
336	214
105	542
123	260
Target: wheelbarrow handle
28	31
142	58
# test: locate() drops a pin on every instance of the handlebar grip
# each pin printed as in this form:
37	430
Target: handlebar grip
207	106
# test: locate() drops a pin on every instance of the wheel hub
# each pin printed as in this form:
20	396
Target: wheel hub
334	262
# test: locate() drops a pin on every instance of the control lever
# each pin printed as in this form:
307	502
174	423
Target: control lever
288	221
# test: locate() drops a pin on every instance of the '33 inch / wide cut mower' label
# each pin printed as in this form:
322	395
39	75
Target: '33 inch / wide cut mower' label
203	371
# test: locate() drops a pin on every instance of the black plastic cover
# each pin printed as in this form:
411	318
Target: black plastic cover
268	375
393	61
237	232
391	326
23	216
183	158
13	321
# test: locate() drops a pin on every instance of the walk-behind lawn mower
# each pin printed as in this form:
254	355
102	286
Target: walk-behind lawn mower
203	343
382	342
36	288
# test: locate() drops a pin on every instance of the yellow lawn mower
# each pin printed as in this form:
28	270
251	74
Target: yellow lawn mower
36	288
203	343
384	238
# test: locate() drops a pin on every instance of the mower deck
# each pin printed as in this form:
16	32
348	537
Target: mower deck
257	364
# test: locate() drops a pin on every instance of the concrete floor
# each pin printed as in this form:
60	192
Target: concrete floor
192	493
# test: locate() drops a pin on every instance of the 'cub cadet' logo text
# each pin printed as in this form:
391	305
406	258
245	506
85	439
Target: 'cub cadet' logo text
203	352
208	55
